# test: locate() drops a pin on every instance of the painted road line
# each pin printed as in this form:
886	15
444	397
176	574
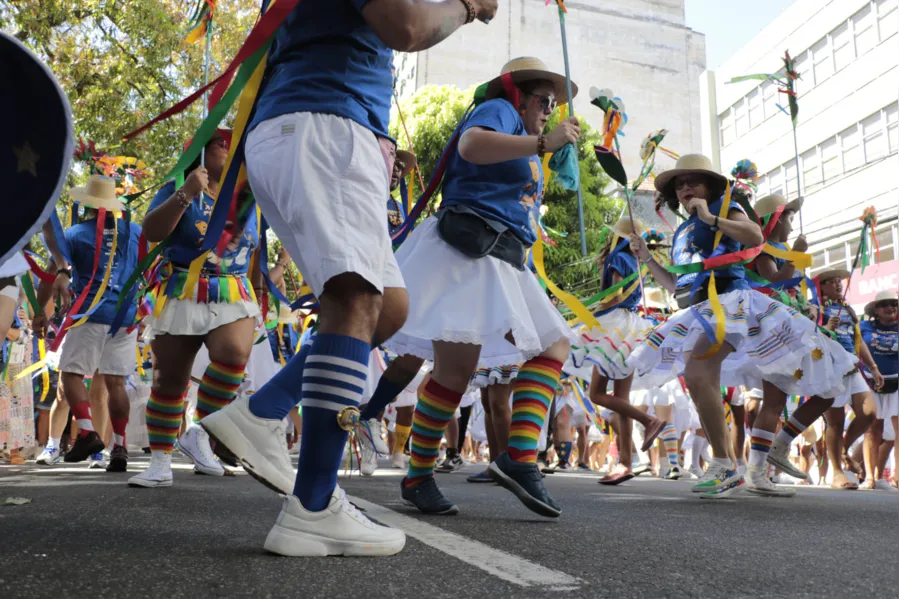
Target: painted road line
503	565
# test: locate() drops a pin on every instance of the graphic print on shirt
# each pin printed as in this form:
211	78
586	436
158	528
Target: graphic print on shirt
684	251
845	332
531	190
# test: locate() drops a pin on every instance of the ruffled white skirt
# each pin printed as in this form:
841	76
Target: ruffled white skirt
187	317
608	348
479	301
498	375
772	342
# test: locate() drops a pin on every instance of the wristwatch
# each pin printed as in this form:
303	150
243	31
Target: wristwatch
64	271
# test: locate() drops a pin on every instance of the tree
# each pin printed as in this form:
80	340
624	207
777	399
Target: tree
431	115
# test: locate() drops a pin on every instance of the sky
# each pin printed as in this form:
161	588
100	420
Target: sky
729	24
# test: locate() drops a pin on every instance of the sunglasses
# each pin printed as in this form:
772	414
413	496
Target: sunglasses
893	305
546	103
682	182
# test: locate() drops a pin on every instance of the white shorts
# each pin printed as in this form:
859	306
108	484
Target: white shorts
88	348
855	384
11	291
887	405
579	419
322	183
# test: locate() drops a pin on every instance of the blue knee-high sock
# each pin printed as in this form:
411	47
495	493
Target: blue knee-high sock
385	392
334	378
278	396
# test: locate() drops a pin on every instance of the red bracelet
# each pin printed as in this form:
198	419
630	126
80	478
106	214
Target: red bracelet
472	14
541	145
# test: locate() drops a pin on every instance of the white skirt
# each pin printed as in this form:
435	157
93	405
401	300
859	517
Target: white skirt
479	301
190	318
772	342
608	348
498	375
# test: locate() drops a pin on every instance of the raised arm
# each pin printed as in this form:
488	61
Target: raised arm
768	269
479	145
662	276
737	225
163	219
416	25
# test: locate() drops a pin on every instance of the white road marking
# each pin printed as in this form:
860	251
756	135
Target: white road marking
503	565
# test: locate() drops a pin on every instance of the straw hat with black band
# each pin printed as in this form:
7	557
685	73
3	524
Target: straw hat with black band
408	159
99	192
688	164
770	203
834	273
526	68
883	296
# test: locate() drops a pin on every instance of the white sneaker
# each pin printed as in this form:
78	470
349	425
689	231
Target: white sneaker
741	469
758	483
398	460
159	473
779	456
50	456
194	443
259	443
369	462
720	480
339	529
369	433
98	461
882	485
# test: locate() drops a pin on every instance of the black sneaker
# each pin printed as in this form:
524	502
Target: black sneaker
525	481
118	460
450	464
428	498
564	467
84	447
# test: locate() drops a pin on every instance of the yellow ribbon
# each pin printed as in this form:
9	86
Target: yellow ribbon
105	282
280	328
32	368
45	376
800	260
714	301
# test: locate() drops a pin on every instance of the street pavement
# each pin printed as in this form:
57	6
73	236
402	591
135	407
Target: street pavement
86	534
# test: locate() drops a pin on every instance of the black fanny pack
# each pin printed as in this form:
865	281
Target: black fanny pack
682	294
890	385
477	236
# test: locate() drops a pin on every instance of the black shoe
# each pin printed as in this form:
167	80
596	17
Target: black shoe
118	460
428	498
450	464
84	447
525	481
224	454
563	467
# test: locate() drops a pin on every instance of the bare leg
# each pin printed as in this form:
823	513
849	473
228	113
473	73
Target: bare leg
703	379
836	420
99	407
501	415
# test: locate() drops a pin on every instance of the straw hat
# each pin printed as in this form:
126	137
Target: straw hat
98	193
286	315
656	298
770	203
834	273
408	159
624	228
528	68
883	296
689	164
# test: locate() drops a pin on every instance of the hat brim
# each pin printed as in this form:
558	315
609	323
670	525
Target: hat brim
795	205
829	275
80	195
495	86
662	180
871	306
409	161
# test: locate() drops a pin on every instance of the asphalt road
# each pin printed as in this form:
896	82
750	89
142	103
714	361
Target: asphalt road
86	534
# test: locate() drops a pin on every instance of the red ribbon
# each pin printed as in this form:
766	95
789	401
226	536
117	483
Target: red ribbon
41	274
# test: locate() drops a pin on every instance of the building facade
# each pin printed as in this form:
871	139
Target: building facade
847	54
640	49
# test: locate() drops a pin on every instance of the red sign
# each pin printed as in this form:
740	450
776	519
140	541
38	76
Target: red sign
877	278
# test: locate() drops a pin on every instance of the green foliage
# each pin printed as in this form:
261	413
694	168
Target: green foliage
431	116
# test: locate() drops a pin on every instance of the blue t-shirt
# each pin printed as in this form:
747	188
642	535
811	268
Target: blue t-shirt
778	262
80	240
326	59
191	230
506	191
883	341
625	264
693	241
846	330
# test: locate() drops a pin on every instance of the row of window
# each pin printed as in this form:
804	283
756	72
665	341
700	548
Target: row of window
874	23
867	141
842	254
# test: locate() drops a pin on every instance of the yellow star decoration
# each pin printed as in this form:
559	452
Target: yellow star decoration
27	159
817	354
798	374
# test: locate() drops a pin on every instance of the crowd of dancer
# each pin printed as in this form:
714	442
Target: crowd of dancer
453	331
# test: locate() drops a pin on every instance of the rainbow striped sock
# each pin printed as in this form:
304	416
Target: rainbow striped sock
433	412
759	446
791	429
164	420
669	441
532	394
218	388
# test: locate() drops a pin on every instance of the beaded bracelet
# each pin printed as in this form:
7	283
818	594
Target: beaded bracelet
541	145
472	14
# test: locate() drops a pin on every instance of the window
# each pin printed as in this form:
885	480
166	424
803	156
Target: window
727	128
836	256
756	115
775	178
811	169
763	186
865	24
852	149
818	261
887	17
822	60
831	165
806	74
843	46
874	137
892	120
769	99
741	117
790	169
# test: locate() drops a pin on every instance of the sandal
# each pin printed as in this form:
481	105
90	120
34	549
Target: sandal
616	479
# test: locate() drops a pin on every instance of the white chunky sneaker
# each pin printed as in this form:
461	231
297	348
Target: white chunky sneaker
339	529
369	433
50	456
194	443
398	461
758	483
260	444
779	457
369	462
159	474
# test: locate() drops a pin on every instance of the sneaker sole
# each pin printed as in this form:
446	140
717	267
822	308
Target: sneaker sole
447	512
787	467
769	493
114	467
529	501
291	543
722	485
150	484
199	467
727	492
228	426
